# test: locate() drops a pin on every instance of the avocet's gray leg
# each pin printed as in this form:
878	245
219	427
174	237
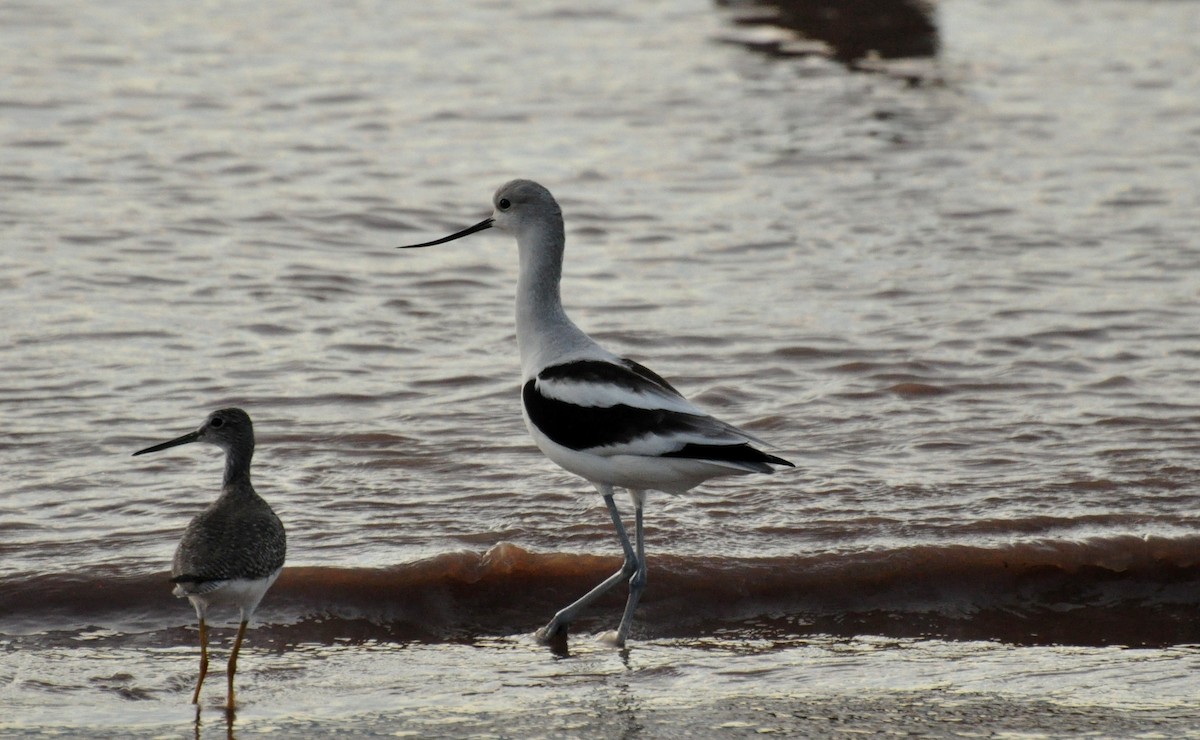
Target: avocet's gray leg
567	615
638	582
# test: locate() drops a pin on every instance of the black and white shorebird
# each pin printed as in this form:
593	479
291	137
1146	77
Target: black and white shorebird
232	551
607	419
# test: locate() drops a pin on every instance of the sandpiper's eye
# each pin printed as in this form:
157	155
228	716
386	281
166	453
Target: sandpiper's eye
217	422
504	204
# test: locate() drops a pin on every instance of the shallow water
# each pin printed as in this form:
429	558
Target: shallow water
728	686
958	290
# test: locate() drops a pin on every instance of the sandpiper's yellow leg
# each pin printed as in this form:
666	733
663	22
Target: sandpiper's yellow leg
237	645
203	660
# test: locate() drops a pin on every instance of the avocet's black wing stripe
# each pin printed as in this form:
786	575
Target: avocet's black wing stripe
587	427
605	383
650	375
625	409
739	453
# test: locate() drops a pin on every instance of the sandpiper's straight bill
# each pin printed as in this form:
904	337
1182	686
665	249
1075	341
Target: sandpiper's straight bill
605	418
232	551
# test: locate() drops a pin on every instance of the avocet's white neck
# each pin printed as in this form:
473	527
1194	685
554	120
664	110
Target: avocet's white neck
545	334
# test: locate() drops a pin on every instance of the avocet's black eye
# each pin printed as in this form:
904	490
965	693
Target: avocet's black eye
504	204
217	422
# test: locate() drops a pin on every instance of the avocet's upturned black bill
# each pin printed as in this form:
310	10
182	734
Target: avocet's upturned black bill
487	223
609	420
232	551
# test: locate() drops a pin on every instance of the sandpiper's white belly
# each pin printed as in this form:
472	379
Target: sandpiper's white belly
243	593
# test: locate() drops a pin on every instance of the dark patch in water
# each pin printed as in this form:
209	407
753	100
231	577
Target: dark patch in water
853	30
1116	591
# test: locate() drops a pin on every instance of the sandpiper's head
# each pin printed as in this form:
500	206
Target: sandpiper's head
226	428
519	205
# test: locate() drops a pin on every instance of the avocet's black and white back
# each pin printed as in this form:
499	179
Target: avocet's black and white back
605	418
233	551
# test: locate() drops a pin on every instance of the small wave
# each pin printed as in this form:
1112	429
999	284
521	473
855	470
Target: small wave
1114	590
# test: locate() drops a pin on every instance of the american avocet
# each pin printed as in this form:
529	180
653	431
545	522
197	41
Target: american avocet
232	551
604	418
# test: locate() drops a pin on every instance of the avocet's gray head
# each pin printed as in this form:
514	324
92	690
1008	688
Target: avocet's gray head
229	429
519	206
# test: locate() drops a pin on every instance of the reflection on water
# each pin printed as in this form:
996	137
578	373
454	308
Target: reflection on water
849	31
228	723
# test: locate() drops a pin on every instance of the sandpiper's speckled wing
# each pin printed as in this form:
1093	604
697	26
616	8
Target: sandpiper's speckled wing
228	540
